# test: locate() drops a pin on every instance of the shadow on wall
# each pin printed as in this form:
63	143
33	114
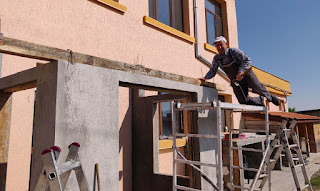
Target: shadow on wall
125	144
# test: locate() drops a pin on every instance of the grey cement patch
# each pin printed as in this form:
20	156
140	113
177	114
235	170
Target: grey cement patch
208	147
87	110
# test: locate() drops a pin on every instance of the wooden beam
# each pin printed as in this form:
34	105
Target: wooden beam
36	51
19	81
151	88
5	117
167	98
22	87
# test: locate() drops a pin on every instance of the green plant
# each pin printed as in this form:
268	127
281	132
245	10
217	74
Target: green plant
293	109
315	182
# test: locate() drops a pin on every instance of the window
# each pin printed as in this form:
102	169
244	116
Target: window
168	12
165	116
213	19
165	119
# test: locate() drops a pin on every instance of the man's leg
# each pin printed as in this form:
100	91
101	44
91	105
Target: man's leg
240	89
257	87
241	93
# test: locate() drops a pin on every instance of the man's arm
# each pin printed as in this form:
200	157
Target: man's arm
213	70
244	60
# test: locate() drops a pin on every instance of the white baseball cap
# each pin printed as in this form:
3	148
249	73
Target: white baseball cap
220	38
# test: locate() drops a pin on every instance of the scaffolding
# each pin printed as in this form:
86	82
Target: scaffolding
218	106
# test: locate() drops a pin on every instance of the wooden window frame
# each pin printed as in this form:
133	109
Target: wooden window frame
160	119
114	4
215	16
185	116
155	13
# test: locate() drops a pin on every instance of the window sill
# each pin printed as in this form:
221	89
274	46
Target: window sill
168	29
210	48
114	5
167	144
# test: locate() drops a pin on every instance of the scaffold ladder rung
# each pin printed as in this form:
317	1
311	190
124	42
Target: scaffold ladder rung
195	162
249	130
248	149
186	188
245	188
248	169
196	135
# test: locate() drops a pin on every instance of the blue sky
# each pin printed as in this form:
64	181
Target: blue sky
283	38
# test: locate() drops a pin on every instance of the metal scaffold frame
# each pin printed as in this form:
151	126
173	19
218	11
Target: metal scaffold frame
266	151
218	106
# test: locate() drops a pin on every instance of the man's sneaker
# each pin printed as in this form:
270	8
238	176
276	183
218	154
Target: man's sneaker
275	100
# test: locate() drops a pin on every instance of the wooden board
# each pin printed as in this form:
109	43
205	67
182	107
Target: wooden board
19	81
36	51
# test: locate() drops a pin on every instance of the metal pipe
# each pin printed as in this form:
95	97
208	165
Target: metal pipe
260	168
268	146
230	148
220	178
203	174
266	156
174	148
205	61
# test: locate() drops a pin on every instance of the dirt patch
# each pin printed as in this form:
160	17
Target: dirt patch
316	174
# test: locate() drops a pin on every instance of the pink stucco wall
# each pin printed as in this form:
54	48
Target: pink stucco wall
166	161
20	140
88	27
125	131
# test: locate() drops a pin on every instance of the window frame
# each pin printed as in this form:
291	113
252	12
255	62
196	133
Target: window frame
155	14
215	16
185	119
114	4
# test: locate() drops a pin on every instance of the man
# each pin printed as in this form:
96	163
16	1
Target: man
236	64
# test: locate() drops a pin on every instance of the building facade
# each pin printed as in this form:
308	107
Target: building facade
173	36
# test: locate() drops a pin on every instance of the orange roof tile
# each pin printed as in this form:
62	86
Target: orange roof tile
297	116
